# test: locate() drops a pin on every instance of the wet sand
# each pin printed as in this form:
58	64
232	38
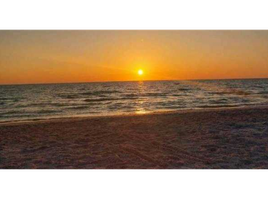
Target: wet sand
204	139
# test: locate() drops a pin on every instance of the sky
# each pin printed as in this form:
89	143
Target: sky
90	56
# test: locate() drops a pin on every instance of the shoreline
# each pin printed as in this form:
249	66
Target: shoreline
84	117
233	138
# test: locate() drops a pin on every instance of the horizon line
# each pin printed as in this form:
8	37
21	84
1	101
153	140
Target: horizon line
52	83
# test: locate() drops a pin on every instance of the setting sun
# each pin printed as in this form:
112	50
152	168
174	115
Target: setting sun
140	72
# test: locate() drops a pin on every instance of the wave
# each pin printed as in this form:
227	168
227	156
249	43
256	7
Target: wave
100	92
170	107
48	104
102	99
218	101
93	93
77	108
155	94
262	92
68	96
236	92
184	89
149	94
218	106
47	111
131	96
25	112
20	116
10	99
11	112
5	98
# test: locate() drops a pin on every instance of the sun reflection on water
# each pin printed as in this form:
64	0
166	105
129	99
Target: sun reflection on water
140	101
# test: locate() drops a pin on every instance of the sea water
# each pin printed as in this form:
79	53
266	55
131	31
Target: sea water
41	101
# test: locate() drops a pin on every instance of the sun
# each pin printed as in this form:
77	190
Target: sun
140	72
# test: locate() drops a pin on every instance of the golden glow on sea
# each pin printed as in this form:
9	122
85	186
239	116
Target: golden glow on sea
88	56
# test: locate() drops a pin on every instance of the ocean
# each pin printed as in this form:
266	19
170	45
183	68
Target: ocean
43	101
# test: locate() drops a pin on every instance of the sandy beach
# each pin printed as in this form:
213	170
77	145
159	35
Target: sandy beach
203	139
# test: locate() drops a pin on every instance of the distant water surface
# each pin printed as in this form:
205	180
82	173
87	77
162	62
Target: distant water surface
29	102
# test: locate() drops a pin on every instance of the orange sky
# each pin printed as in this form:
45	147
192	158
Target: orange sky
85	56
